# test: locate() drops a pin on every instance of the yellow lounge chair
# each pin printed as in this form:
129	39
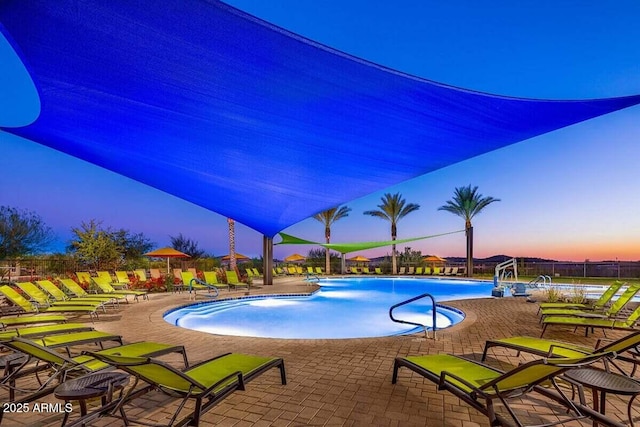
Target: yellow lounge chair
480	385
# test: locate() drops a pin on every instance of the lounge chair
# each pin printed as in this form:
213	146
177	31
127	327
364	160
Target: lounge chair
454	271
437	271
354	270
552	348
479	385
107	289
427	271
207	382
365	270
591	323
598	304
20	301
299	271
84	278
61	366
319	270
419	270
411	270
73	288
193	284
56	293
211	279
402	270
43	330
155	274
249	272
141	275
256	273
31	320
612	311
37	296
122	279
233	281
105	275
378	270
310	270
291	271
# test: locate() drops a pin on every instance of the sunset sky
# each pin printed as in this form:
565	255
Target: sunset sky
566	195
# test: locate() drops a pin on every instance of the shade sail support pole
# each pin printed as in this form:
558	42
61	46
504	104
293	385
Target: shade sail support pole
267	260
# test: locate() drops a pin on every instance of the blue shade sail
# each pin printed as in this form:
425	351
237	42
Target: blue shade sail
231	113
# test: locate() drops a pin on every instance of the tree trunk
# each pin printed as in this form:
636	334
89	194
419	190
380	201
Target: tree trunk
469	233
327	255
232	244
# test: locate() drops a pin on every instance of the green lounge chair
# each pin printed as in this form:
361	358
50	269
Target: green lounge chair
310	270
207	382
17	299
192	284
479	385
73	288
105	276
551	348
256	272
122	279
37	296
43	330
319	270
56	293
378	270
84	278
599	304
592	323
107	289
6	322
427	271
211	279
233	281
612	311
249	272
419	270
61	366
141	274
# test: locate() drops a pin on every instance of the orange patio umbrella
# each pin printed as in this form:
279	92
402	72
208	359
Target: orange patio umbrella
167	253
434	259
239	257
295	258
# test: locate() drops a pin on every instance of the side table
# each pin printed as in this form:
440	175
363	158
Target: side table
102	384
603	382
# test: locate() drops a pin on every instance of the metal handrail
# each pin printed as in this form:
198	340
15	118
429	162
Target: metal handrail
203	283
311	276
540	279
426	334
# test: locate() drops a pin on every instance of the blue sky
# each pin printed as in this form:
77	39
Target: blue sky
566	195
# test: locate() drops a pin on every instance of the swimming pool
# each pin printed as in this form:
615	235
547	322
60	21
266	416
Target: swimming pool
342	308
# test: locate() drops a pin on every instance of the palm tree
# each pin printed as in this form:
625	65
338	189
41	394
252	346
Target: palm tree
467	203
328	217
393	209
232	244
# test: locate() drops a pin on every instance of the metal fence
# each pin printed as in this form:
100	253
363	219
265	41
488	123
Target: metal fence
617	269
43	267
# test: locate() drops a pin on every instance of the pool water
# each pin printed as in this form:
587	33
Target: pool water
342	308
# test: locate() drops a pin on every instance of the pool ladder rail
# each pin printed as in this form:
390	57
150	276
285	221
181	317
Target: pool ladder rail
540	280
203	283
433	301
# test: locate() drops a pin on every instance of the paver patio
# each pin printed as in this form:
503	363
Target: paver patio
337	382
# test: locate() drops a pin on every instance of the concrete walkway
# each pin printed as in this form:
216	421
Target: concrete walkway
335	382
